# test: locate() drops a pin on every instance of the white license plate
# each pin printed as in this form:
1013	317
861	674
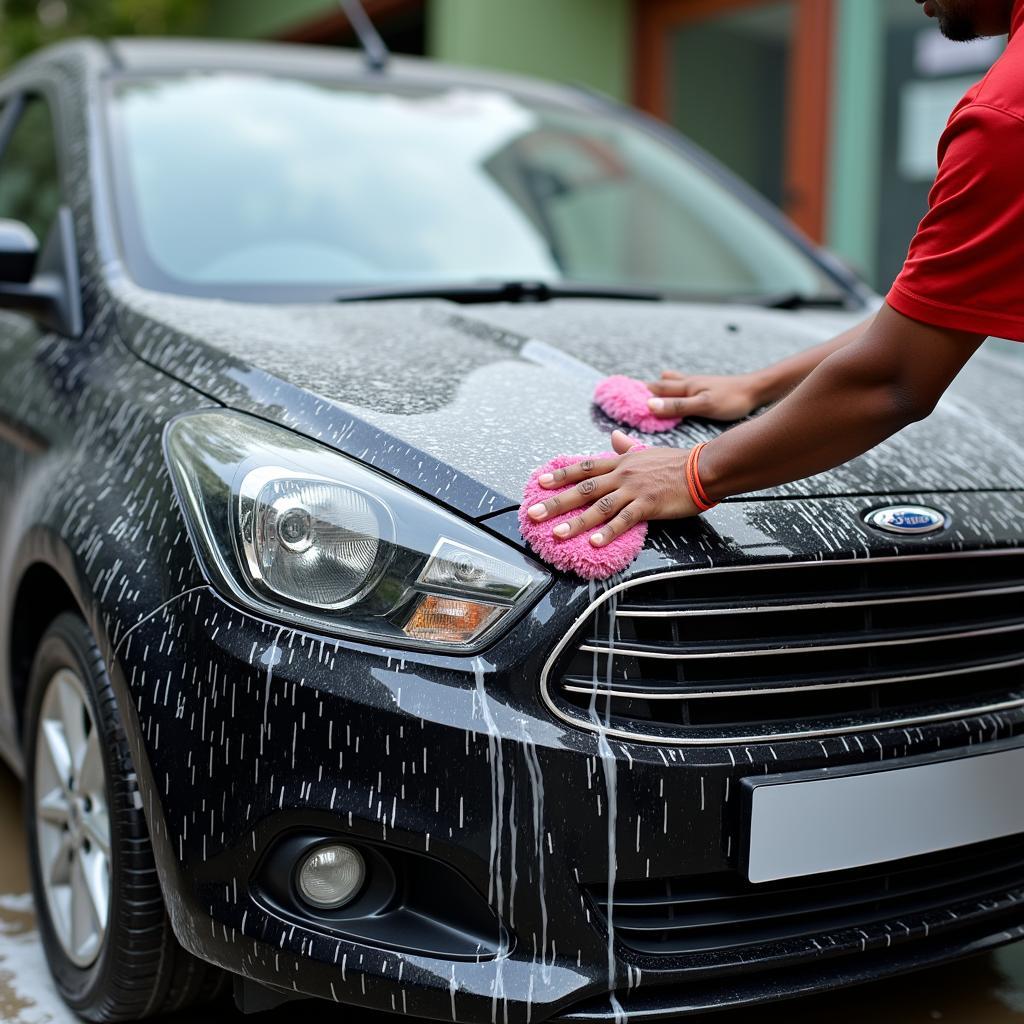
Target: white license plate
806	823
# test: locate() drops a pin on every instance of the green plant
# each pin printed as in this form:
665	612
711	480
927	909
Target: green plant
25	25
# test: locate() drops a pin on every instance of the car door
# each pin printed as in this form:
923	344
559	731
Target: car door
30	192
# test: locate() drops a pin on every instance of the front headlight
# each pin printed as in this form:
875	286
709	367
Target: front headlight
295	530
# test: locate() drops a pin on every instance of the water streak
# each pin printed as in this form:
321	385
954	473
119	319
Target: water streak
609	768
495	885
537	791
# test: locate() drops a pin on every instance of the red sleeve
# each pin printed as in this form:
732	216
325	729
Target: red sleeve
965	269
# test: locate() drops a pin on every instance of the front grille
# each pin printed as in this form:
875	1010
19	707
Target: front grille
721	915
784	651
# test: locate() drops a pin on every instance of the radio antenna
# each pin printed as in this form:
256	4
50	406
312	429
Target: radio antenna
374	48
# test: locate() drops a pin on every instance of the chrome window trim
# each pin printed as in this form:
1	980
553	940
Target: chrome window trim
728	740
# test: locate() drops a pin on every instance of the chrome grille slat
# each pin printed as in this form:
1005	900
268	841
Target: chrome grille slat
767	609
754	691
739	738
853	662
763	652
720	914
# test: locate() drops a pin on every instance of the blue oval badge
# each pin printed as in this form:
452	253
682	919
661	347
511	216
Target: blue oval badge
907	519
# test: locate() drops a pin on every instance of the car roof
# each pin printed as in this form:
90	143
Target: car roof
139	55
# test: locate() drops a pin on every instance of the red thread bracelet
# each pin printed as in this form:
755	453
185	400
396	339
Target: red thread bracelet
697	493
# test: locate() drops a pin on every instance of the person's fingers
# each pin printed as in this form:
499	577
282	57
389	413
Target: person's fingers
623	443
579	471
674	388
584	493
670	408
632	514
673	375
600	512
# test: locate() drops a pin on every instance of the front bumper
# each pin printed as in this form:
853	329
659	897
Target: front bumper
243	730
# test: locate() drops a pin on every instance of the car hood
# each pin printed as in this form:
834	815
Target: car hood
464	401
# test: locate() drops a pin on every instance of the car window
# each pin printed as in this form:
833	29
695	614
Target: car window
29	179
613	208
236	181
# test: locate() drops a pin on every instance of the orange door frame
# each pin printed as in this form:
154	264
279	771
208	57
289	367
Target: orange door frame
808	89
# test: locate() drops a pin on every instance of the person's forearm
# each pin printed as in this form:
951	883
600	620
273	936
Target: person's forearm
777	380
866	389
857	397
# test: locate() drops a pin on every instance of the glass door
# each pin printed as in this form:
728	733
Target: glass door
749	80
728	86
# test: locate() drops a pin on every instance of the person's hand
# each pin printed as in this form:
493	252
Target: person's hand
622	491
714	398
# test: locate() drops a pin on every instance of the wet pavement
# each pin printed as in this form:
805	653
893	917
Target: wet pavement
985	990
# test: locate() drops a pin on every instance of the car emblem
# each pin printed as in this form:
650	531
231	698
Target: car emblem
907	519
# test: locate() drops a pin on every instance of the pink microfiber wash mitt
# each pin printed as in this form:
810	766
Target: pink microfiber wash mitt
625	400
576	554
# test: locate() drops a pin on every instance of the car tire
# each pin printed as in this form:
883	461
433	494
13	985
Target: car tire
125	964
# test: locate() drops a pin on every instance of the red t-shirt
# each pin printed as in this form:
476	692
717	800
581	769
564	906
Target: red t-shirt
965	269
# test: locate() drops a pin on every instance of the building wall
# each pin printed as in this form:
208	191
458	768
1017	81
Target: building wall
581	41
855	153
587	42
261	18
895	82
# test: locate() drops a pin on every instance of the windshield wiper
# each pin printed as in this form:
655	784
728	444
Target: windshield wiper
796	300
500	291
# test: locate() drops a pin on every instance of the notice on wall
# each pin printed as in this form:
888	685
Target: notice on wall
925	107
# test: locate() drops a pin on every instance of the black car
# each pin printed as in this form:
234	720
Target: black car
293	702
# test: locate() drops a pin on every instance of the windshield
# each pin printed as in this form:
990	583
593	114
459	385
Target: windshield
248	186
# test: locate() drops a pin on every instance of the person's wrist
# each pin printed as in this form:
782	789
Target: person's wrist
699	496
710	475
763	387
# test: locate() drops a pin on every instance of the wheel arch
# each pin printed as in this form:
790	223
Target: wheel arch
42	594
46	580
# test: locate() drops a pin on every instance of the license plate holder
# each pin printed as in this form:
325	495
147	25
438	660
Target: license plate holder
808	823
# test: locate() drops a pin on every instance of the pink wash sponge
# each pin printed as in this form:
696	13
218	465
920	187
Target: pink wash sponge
625	400
577	554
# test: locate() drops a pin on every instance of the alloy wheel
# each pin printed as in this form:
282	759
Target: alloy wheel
72	818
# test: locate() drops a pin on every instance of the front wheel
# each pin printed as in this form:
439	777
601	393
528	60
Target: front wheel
105	930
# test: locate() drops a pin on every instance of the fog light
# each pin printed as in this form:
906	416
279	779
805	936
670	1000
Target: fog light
331	875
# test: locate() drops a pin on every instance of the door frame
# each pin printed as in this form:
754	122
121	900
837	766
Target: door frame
808	89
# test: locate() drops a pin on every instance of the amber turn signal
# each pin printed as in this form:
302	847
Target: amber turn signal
450	619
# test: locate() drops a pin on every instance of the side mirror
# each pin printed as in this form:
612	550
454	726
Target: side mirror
19	251
42	283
